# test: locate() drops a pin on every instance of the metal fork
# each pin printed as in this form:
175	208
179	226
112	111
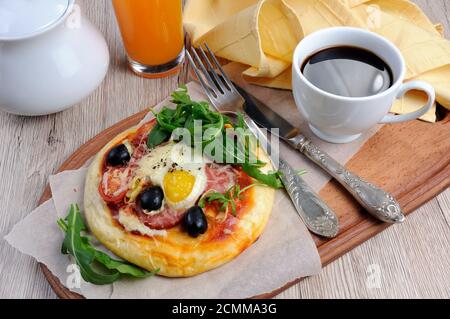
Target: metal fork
314	212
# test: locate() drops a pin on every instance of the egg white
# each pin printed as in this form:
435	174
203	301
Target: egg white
174	156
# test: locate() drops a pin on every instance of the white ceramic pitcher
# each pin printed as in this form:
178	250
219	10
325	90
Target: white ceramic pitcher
51	56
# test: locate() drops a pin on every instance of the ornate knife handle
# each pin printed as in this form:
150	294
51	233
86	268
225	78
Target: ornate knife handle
376	201
314	212
316	215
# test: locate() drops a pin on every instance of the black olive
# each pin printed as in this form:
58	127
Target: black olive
195	222
119	155
152	198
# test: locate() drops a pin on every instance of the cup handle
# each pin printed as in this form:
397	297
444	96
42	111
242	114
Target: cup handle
413	85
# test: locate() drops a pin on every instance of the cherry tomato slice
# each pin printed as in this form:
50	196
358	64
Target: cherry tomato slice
114	184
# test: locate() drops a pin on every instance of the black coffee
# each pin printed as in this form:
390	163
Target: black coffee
348	71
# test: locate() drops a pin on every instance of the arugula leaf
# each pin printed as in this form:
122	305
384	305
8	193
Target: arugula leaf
301	172
185	115
157	136
86	255
73	245
271	179
121	267
240	121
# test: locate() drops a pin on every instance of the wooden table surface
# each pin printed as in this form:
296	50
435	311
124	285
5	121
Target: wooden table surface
411	260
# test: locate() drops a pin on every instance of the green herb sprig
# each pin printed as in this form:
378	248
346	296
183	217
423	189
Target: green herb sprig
95	266
184	116
227	199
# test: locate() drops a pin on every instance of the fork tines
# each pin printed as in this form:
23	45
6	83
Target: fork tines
216	83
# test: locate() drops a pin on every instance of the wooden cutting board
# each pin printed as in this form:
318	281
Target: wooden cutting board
410	160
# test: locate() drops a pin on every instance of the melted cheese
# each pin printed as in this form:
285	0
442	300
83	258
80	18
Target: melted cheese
124	180
132	223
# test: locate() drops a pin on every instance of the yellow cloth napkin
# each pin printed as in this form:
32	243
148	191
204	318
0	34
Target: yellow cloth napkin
264	33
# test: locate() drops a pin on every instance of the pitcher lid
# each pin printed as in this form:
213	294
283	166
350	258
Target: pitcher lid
24	18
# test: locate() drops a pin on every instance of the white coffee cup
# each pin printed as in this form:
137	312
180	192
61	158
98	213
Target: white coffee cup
339	119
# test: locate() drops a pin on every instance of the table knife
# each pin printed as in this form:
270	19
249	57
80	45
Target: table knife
314	212
376	201
318	217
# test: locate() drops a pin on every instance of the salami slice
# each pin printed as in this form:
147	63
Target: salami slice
220	177
166	219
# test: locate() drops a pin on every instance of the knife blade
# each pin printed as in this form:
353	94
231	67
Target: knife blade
265	117
376	201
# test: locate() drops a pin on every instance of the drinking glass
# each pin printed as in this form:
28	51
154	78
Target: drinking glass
152	32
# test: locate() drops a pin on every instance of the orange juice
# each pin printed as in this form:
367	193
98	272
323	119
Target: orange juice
152	30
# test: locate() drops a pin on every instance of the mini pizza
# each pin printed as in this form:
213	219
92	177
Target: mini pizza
159	209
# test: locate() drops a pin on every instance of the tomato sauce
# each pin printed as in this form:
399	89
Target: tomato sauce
219	230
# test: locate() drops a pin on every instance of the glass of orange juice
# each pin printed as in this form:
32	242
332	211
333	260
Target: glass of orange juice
152	32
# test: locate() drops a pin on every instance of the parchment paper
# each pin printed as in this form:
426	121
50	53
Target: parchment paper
283	253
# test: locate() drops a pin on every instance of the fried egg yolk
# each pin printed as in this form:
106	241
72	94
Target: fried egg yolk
181	176
178	185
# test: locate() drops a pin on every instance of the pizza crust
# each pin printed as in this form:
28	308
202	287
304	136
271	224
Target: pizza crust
176	254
